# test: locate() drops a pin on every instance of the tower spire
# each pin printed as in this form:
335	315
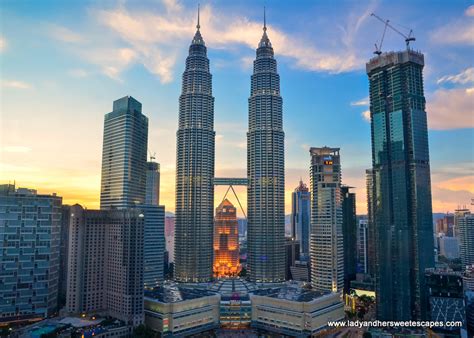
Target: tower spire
198	26
198	40
264	20
265	41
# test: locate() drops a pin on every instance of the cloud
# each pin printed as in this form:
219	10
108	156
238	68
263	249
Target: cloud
3	44
466	76
16	84
78	73
469	11
451	109
16	149
361	102
366	115
458	32
64	34
464	183
111	61
158	38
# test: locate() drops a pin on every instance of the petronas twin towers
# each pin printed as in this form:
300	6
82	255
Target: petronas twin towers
195	169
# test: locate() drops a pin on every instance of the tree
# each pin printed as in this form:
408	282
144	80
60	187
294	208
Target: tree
142	331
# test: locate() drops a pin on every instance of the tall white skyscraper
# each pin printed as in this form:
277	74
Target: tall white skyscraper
465	224
326	245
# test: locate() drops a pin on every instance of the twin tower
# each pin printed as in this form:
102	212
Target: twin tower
196	162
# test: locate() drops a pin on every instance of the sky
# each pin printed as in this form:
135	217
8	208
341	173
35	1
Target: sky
62	64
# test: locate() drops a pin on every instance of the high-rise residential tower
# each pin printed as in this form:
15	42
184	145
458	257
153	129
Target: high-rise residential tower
124	155
105	266
195	169
326	244
401	184
349	233
30	226
465	224
301	218
265	170
226	241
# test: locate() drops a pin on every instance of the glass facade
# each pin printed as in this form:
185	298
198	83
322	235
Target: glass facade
301	218
349	231
124	155
401	188
152	191
30	227
154	245
265	170
195	148
326	246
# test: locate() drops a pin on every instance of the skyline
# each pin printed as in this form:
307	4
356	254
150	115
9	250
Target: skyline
331	84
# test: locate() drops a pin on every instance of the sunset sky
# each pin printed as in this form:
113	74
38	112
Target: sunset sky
62	64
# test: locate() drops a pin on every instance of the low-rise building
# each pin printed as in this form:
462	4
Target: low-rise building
295	311
300	271
235	306
449	247
175	311
445	297
65	327
468	283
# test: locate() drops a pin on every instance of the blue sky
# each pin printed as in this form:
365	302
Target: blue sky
63	63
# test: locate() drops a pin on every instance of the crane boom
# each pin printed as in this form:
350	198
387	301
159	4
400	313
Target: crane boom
408	37
378	49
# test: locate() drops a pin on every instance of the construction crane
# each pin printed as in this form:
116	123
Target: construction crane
152	155
408	38
378	49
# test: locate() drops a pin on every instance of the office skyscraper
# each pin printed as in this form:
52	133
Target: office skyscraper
362	239
152	190
349	234
326	246
30	226
154	243
292	255
370	223
124	155
63	255
301	218
401	184
226	241
195	169
265	170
